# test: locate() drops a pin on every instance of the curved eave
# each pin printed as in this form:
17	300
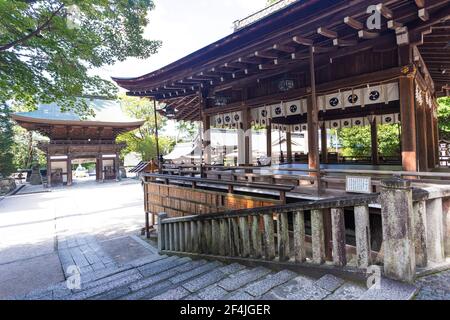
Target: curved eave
75	123
225	44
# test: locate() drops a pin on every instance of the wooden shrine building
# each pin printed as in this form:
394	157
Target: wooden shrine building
309	66
318	64
74	138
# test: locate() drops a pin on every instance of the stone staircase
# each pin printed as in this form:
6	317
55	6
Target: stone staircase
162	277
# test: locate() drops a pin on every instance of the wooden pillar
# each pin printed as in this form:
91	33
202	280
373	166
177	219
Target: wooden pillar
422	138
430	138
324	142
207	138
436	141
408	116
313	123
374	140
289	146
117	167
100	168
69	171
247	132
269	140
49	171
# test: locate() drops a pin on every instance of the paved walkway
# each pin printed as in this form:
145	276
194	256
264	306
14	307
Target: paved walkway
42	234
94	228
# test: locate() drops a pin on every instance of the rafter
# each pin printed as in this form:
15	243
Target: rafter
353	23
327	33
303	41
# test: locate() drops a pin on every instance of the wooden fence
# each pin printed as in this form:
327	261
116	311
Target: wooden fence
412	229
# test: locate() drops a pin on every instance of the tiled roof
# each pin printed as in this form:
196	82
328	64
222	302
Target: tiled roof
105	111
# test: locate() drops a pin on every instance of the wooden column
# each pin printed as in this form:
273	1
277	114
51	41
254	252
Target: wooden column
436	141
207	138
324	142
247	131
49	171
117	167
269	139
289	146
313	123
374	140
100	168
408	116
422	138
69	171
430	138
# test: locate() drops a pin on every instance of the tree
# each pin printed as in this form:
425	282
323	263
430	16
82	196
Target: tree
186	131
6	141
143	140
47	47
444	117
356	141
25	149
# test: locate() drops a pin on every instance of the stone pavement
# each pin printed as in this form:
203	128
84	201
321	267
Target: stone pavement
161	277
43	233
434	287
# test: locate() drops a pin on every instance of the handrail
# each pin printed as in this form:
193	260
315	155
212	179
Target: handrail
357	200
388	172
267	186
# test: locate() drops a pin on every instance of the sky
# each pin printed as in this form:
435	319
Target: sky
184	27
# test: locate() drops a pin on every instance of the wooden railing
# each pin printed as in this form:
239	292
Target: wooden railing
251	233
296	233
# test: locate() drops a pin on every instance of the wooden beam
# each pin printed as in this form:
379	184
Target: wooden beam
317	49
420	3
327	33
353	23
363	34
250	60
269	66
393	25
424	15
384	11
208	75
283	48
344	43
299	56
302	41
265	55
234	65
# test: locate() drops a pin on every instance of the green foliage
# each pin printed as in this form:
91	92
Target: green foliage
6	141
186	131
25	149
356	141
143	139
444	117
389	140
47	47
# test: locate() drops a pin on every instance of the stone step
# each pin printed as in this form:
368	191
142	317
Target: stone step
242	278
148	287
107	284
161	277
390	290
261	287
145	288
